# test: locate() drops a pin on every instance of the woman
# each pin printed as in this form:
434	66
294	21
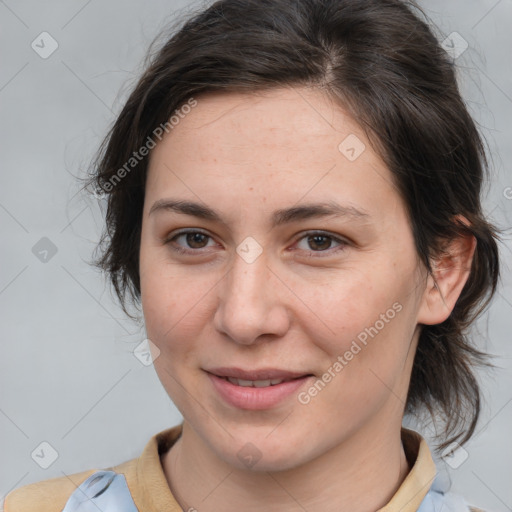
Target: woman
294	197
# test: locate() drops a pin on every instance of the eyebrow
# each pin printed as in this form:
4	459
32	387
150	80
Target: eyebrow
279	217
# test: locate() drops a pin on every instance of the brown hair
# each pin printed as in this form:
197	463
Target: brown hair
380	61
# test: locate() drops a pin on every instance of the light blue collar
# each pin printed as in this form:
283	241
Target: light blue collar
439	499
108	491
104	490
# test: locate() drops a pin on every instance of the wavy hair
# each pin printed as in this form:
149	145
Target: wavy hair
382	62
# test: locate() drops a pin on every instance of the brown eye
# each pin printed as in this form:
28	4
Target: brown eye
196	240
189	242
318	243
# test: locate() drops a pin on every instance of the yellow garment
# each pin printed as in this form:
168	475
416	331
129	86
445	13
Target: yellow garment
150	491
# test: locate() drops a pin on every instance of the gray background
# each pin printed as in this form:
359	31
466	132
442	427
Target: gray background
68	376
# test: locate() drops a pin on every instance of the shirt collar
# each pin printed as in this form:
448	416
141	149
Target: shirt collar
419	479
155	489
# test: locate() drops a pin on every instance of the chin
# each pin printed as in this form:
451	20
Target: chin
270	463
260	453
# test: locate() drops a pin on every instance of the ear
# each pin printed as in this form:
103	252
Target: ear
451	271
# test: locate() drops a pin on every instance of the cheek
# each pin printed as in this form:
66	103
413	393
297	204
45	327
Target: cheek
174	306
350	305
174	316
366	328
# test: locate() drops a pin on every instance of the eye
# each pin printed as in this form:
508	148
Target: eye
188	241
315	243
321	242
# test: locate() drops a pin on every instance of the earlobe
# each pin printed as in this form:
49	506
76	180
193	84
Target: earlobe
444	285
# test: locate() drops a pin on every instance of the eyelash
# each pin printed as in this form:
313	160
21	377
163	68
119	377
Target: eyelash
181	250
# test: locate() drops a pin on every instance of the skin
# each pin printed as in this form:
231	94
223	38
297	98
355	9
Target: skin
298	306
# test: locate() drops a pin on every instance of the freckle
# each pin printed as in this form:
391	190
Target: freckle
250	188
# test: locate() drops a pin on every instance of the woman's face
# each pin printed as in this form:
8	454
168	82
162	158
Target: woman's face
299	262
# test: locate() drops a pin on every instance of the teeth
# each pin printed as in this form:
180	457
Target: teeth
261	383
254	383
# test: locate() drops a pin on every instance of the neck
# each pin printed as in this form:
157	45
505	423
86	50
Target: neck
360	475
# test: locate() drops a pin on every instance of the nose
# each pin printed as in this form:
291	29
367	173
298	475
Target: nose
252	303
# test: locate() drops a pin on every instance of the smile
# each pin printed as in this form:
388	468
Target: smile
256	390
255	383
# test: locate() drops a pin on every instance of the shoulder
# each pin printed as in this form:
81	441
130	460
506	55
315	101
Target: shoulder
51	495
46	496
141	473
447	501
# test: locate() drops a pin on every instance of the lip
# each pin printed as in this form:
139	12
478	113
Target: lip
256	399
261	374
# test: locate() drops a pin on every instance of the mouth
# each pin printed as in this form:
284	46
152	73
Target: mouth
257	378
258	383
256	389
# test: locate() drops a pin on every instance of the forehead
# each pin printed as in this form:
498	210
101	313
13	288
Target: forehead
280	145
243	122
